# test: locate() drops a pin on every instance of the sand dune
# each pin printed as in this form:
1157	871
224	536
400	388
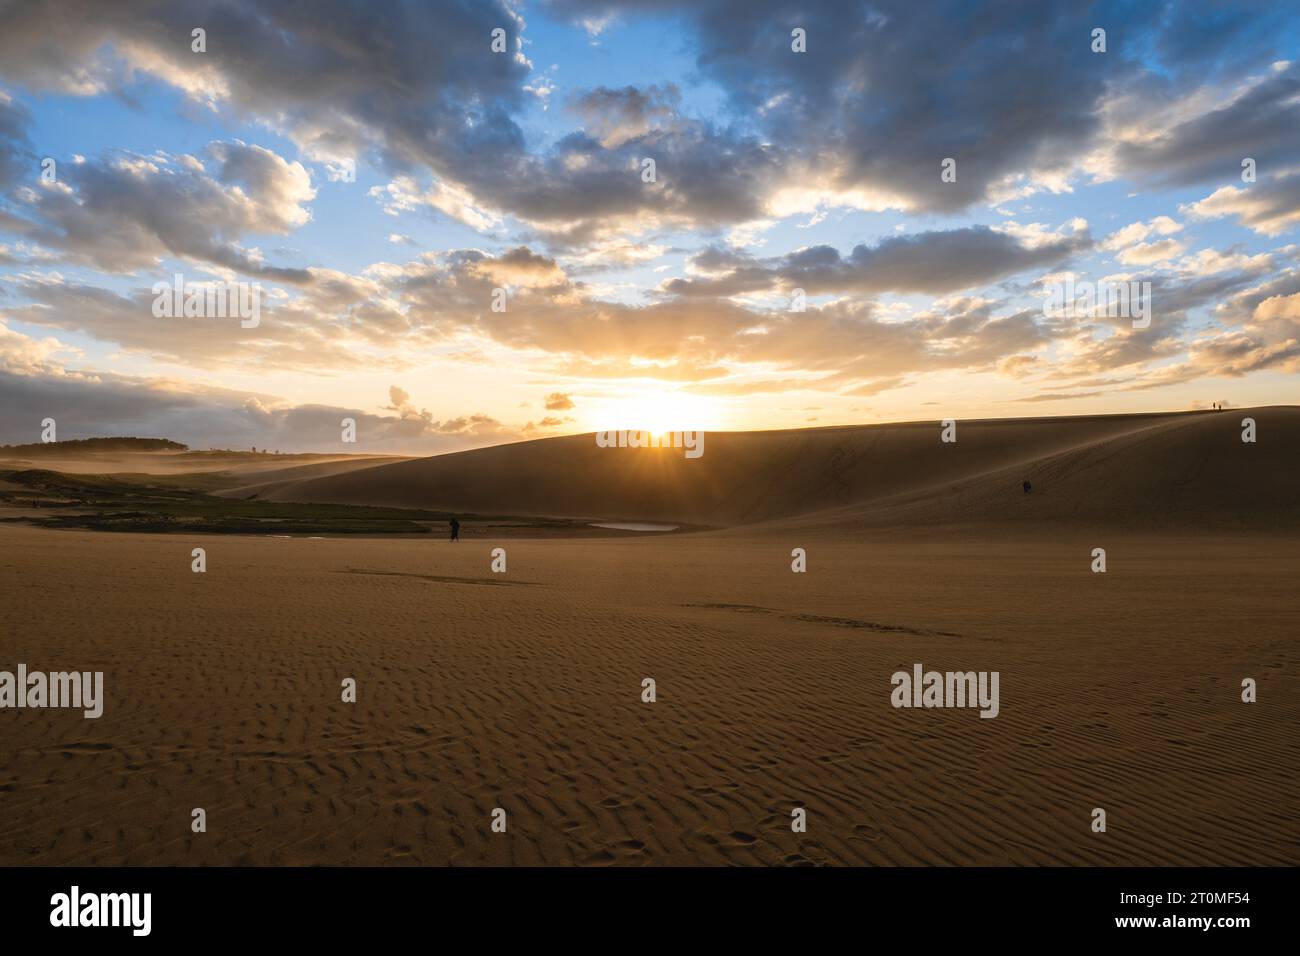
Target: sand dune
1190	474
1150	469
521	690
272	479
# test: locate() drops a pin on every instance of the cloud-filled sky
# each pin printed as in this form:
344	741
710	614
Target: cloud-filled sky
457	245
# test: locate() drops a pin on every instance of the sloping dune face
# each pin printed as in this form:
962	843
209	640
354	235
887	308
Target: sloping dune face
1192	473
270	479
1152	469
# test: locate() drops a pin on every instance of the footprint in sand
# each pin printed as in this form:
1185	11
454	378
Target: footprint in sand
864	831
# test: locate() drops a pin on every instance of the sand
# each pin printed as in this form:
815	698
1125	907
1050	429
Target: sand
1175	472
523	690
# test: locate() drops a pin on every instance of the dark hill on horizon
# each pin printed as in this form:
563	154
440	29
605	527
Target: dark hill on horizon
1185	470
79	446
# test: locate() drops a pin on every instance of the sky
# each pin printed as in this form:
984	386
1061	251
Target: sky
467	223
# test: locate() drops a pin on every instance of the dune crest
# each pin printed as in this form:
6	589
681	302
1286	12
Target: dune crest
1189	468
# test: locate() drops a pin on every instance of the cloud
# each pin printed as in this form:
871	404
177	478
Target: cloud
519	266
418	81
757	141
613	117
1269	207
126	213
553	322
15	149
701	337
1268	341
546	424
403	194
322	326
1131	248
930	262
887	154
1059	396
1198	139
1151	253
1021	103
1137	232
95	404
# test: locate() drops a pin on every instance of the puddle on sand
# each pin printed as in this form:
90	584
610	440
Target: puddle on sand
635	526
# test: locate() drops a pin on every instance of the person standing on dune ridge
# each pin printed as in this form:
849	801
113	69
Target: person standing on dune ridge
455	529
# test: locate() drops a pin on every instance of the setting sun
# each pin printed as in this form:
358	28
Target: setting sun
659	411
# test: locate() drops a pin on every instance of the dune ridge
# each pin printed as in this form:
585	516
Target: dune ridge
1152	470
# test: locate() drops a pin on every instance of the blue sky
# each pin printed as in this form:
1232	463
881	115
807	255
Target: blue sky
660	304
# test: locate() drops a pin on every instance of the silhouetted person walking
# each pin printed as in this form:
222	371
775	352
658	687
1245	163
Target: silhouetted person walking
1026	485
455	529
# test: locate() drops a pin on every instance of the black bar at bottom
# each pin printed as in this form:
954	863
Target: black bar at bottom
332	905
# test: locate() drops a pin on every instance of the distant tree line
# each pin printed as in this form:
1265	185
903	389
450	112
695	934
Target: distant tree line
98	444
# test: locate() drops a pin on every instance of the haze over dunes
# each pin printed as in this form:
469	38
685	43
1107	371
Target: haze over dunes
1189	470
241	466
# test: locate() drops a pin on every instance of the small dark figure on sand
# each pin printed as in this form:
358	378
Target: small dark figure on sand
1026	485
455	529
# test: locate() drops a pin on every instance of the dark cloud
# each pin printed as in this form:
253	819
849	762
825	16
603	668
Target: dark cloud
1012	91
1262	123
582	191
614	116
125	213
930	262
883	95
1211	39
418	80
102	404
1006	89
15	151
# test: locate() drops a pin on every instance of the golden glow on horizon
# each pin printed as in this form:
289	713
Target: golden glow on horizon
658	411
